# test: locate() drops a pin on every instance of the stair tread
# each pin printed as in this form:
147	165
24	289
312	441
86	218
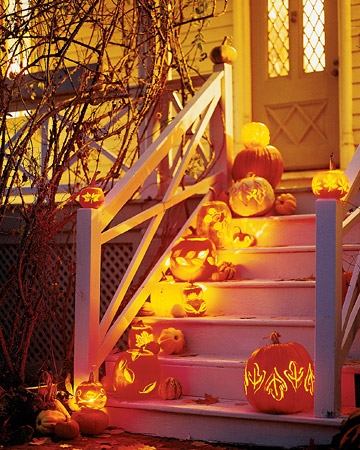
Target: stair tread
222	407
237	320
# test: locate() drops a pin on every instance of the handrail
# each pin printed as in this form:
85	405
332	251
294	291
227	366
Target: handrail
210	109
336	324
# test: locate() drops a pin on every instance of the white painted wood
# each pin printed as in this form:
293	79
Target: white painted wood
328	308
87	294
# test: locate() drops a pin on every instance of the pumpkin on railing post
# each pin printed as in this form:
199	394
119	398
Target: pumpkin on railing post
224	53
91	196
332	183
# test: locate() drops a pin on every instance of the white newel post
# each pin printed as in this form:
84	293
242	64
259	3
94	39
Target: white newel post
328	308
87	293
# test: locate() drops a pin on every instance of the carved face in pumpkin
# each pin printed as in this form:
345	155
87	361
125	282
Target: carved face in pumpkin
91	394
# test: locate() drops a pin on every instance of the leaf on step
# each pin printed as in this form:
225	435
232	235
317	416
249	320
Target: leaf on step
207	400
39	441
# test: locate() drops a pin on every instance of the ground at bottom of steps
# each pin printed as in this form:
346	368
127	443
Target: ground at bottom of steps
117	439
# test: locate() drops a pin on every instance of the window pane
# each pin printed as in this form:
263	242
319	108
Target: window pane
313	36
278	38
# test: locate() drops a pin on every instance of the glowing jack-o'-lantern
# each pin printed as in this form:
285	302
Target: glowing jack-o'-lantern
279	378
136	374
213	221
193	258
255	134
194	304
91	393
140	335
91	196
251	196
331	183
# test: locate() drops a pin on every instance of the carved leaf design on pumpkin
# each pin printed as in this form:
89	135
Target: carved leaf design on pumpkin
275	385
144	338
255	378
294	374
129	375
309	381
149	388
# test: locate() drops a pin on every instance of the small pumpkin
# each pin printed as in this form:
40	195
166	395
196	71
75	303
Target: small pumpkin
285	204
46	420
171	341
251	196
91	196
69	429
91	393
243	240
279	378
331	183
140	334
224	53
170	389
91	421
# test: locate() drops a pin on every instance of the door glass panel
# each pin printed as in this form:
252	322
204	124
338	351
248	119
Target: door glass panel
278	38
313	36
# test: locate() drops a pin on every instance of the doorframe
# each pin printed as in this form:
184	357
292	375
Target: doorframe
243	80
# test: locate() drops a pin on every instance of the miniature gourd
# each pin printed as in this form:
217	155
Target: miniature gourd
285	204
171	341
47	419
170	389
91	421
69	429
251	196
279	378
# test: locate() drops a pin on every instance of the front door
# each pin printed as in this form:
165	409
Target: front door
294	75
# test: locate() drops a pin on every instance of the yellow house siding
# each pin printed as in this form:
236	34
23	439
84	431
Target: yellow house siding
355	45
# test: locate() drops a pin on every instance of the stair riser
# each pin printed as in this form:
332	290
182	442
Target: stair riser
244	299
288	263
238	341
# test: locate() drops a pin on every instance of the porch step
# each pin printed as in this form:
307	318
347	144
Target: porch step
225	421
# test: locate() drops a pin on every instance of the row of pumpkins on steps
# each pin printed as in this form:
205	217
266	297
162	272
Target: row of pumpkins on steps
278	378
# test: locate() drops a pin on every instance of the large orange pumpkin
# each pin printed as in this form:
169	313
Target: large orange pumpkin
279	378
266	162
193	258
251	196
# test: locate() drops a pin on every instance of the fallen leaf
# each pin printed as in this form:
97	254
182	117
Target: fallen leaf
207	400
39	441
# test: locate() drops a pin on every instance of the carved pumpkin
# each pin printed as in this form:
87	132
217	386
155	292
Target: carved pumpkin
140	335
255	134
224	53
252	196
69	429
136	374
91	196
213	221
331	183
91	393
285	204
171	341
194	304
243	240
279	378
91	421
170	389
264	162
193	258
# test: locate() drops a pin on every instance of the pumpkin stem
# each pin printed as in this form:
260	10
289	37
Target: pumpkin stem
228	40
274	336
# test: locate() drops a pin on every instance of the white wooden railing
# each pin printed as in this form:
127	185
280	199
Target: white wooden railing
208	112
336	325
